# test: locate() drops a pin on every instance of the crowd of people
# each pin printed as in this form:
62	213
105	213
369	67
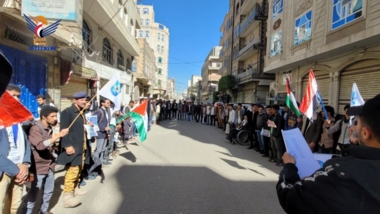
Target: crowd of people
324	134
33	151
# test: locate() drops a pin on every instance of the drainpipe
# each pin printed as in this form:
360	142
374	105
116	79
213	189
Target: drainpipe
232	38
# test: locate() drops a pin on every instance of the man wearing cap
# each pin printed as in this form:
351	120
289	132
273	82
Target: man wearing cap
74	148
348	184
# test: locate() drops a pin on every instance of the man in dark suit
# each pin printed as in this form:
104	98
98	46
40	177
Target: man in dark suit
276	135
252	116
75	148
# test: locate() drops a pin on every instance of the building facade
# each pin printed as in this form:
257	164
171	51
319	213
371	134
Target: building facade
109	44
36	71
157	35
244	50
210	74
338	39
193	87
145	75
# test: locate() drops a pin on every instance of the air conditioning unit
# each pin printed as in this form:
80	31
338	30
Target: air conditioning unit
121	67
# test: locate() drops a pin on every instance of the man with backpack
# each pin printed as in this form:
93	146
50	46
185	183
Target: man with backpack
42	142
101	139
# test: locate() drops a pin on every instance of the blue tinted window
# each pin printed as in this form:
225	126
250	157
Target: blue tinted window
302	31
277	8
275	46
345	11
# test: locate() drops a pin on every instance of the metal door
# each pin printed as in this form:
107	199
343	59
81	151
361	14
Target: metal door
30	73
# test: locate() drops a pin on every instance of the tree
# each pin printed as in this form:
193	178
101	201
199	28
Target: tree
226	83
215	95
192	97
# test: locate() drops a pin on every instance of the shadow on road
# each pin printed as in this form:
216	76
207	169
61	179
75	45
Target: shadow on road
168	189
213	135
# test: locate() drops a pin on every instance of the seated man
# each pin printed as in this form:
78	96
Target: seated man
234	132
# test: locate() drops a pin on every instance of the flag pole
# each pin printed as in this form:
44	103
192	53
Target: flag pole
323	106
81	112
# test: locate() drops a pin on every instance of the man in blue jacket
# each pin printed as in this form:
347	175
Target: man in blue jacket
14	162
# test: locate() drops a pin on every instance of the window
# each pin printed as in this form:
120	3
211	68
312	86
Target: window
145	10
129	64
159	82
141	33
162	49
159	36
125	16
275	47
161	27
107	51
147	34
158	48
162	37
302	31
278	5
159	71
345	11
120	58
86	34
147	22
160	60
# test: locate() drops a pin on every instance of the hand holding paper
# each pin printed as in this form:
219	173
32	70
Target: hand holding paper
297	147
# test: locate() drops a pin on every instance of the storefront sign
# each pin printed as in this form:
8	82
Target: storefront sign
52	9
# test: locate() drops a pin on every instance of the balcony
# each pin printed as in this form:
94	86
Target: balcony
251	22
248	75
214	67
213	78
246	6
103	11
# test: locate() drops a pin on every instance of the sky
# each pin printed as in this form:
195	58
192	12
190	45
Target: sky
194	27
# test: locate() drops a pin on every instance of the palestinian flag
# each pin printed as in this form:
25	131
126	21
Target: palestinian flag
310	101
290	99
140	119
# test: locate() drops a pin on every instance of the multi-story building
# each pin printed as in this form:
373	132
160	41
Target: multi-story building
171	89
193	87
225	43
246	42
146	68
39	72
338	39
157	36
109	44
210	74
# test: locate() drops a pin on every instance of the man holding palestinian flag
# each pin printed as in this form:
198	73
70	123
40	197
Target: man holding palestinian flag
294	113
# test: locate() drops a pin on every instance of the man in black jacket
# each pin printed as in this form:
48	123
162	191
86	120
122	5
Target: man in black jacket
252	117
349	184
74	148
278	145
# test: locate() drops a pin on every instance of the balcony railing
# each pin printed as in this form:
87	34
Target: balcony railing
248	75
249	45
248	20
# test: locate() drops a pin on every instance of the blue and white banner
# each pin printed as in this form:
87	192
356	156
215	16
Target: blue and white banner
112	90
356	98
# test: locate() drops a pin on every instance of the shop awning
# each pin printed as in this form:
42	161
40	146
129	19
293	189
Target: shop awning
84	72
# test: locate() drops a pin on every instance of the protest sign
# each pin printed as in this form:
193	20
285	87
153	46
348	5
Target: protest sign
90	131
296	146
94	119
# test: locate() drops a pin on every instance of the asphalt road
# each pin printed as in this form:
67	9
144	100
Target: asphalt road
183	167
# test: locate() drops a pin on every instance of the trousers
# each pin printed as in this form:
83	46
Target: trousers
47	181
10	195
71	178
